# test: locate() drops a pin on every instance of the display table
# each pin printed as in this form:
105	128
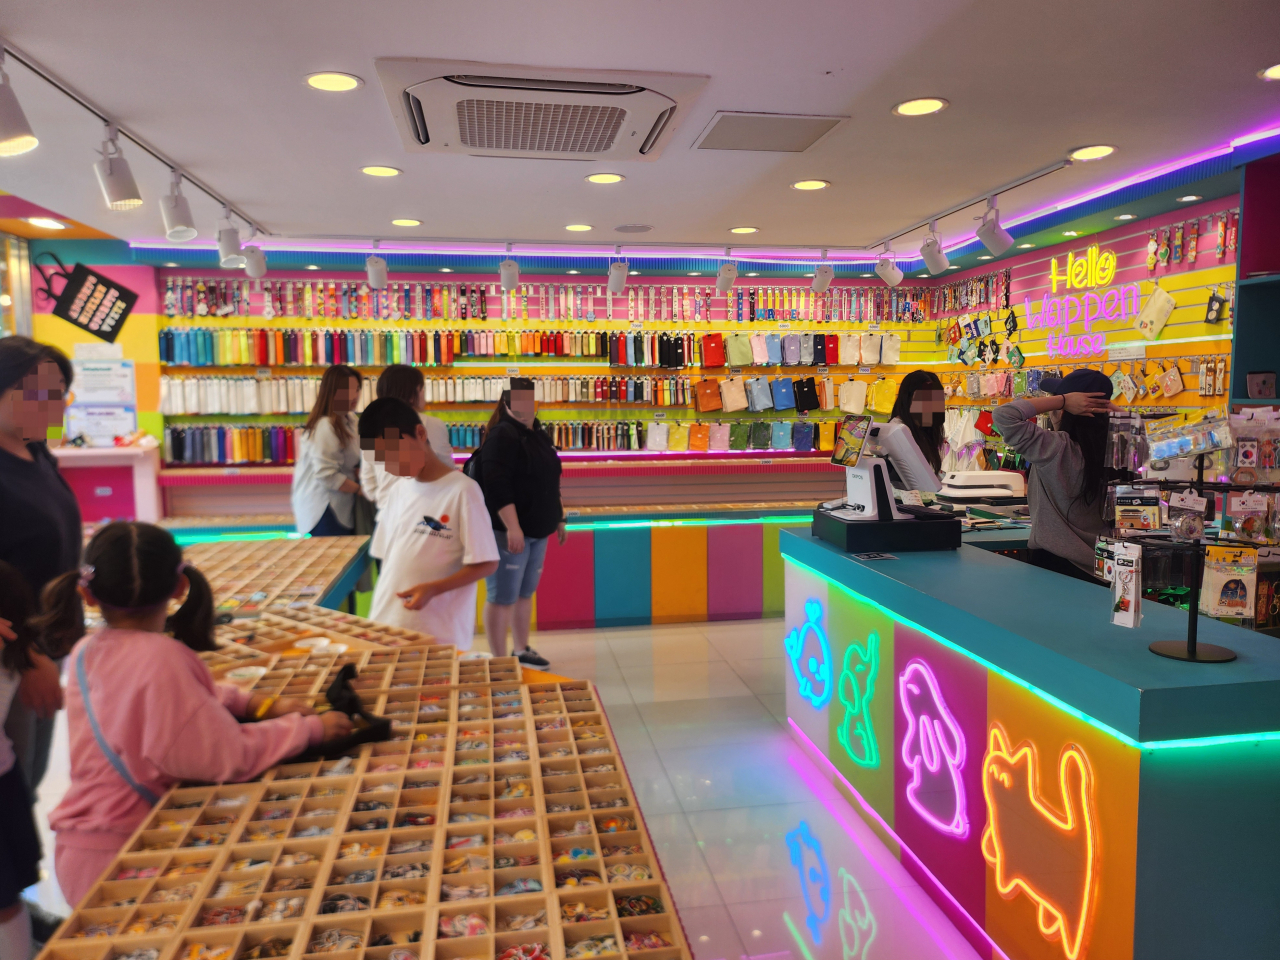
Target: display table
1060	790
112	483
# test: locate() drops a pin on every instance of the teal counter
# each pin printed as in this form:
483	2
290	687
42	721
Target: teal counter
1060	791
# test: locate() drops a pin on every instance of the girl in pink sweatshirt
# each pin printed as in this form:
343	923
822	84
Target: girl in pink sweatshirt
142	708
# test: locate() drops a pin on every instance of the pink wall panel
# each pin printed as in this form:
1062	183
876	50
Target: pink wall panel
567	591
735	572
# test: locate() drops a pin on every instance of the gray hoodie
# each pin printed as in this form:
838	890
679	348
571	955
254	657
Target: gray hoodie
1061	521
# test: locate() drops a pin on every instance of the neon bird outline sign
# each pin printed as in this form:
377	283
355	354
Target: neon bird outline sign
815	688
940	742
1034	848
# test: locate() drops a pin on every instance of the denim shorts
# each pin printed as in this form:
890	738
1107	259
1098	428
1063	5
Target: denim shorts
518	574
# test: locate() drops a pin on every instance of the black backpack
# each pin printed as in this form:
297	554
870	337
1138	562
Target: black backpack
472	467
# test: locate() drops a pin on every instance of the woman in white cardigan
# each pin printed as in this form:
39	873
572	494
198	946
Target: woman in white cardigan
406	383
325	476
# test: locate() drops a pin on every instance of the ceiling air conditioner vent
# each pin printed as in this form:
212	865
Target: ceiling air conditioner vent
498	110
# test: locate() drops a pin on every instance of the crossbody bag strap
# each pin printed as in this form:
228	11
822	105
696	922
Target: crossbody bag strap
107	752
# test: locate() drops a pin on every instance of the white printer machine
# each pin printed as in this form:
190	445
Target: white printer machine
981	486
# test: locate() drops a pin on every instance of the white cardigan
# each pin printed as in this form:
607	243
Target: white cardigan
323	463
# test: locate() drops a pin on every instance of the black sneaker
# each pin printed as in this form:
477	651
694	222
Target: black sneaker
530	657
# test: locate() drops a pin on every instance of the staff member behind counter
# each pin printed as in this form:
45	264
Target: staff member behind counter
912	439
1066	490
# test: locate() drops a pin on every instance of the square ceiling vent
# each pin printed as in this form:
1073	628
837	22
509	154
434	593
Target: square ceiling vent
765	132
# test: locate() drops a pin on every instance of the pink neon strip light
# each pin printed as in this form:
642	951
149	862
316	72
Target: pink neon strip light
817	755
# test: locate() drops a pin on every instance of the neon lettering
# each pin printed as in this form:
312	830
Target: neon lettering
1049	856
813	672
815	879
857	922
856	732
1062	312
934	751
1094	269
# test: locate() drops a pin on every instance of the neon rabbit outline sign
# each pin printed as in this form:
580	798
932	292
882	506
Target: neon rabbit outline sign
933	740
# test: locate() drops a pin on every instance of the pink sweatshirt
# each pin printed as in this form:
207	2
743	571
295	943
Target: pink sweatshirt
160	711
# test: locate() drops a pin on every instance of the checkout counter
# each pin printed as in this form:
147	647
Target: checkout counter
1058	789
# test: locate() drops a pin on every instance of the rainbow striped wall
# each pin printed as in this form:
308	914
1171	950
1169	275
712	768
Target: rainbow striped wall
625	572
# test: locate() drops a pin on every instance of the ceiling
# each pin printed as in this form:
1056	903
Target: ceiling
222	93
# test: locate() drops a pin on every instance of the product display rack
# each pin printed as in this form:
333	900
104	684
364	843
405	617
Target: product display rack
247	576
483	816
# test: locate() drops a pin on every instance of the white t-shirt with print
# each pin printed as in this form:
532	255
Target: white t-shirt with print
427	531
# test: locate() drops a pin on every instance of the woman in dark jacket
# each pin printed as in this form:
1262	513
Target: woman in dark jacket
520	476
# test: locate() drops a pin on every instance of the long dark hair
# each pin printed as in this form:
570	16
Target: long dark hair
928	439
401	382
18	606
20	356
334	378
128	567
1089	433
501	411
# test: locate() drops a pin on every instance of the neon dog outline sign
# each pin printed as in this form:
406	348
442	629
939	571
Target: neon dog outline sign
1051	857
856	733
933	740
816	688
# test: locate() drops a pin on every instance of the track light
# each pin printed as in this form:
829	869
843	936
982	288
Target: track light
993	236
15	131
822	277
376	269
115	178
229	255
724	279
179	226
618	276
509	273
931	250
255	262
887	270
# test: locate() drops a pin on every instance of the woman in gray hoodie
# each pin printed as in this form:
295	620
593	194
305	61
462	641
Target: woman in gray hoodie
1066	489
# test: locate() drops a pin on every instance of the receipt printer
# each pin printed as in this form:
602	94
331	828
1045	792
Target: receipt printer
1002	487
869	521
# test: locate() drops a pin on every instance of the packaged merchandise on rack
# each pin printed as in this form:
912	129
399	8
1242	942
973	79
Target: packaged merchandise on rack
1230	581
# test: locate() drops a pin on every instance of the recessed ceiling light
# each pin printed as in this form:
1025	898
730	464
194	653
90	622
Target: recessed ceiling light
6	300
1070	233
312	266
984	256
867	274
572	271
633	273
1092	153
406	222
920	107
811	185
46	223
808	274
605	178
334	82
753	274
954	266
1190	197
925	274
376	171
446	269
170	264
1126	216
578	227
744	229
1271	73
1025	246
694	273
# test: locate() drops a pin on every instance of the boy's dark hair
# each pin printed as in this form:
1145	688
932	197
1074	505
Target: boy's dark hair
128	566
383	413
400	381
18	606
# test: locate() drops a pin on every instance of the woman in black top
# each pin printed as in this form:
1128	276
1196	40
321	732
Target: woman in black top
520	476
40	530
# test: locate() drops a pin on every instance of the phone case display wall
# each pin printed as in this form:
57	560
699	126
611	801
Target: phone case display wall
498	823
249	575
591	369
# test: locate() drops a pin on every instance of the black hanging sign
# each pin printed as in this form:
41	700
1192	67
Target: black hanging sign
94	303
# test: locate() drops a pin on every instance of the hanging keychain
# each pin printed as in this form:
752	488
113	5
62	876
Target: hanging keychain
1177	244
1162	254
1152	247
1193	241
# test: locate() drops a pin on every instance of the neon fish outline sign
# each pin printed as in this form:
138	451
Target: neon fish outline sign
933	740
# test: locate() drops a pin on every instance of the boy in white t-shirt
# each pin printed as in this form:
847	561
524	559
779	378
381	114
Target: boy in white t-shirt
434	536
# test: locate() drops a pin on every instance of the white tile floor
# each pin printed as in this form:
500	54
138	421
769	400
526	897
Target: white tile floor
699	713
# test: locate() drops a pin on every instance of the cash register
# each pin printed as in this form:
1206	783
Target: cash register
868	520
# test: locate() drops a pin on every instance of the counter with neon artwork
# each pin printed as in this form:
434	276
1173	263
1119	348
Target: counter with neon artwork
1062	793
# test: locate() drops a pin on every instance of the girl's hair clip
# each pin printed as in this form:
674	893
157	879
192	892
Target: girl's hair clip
86	575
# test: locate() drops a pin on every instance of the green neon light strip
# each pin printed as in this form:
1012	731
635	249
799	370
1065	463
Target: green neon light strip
633	524
1043	695
804	947
188	538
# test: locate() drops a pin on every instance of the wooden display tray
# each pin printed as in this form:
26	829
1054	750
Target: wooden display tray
534	768
247	576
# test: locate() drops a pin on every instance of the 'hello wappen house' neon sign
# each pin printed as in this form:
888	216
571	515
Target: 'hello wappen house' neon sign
1058	313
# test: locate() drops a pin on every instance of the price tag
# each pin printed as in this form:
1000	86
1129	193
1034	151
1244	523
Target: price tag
660	415
231	472
864	369
995	401
766	462
1127	351
636	324
264	373
784	326
513	371
735	371
573	513
824	370
873	326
